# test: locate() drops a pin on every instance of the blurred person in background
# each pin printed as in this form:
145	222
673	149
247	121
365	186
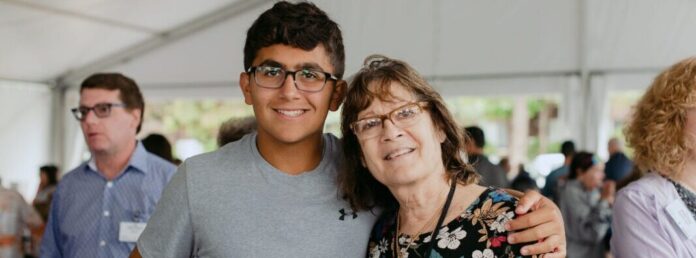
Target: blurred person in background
159	145
618	166
232	130
523	181
15	215
551	187
491	175
585	202
48	181
635	174
504	163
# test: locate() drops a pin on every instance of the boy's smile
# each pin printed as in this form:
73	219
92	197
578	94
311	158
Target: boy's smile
288	116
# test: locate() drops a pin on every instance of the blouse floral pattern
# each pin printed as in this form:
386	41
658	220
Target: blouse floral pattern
478	232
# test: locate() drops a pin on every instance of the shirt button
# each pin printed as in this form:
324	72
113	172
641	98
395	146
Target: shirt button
106	213
102	243
109	184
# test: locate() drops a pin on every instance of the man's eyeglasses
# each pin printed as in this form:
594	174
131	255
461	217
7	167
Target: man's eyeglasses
308	80
101	110
402	117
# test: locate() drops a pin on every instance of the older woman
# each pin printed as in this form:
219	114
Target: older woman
654	216
586	209
403	153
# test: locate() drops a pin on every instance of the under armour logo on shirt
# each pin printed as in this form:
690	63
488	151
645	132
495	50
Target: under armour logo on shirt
343	214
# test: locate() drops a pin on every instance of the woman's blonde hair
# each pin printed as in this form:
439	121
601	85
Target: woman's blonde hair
656	130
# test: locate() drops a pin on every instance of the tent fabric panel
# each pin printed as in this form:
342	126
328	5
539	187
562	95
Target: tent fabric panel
626	34
154	15
37	46
25	112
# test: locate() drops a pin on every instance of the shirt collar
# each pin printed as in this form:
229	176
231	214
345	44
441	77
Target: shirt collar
138	159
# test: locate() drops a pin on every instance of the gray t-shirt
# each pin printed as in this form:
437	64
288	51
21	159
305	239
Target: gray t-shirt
233	203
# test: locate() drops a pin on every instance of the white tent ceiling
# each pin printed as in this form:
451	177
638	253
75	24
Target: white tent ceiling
43	39
165	43
186	48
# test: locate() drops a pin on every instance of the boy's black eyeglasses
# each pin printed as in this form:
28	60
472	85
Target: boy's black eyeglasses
307	80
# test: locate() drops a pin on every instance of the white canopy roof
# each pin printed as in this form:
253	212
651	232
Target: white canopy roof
199	43
184	48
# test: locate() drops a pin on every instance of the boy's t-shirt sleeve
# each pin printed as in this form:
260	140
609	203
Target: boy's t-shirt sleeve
169	232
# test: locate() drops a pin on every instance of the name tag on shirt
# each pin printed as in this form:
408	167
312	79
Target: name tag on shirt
130	231
681	216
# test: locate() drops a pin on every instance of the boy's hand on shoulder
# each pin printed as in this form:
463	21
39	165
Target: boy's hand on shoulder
538	220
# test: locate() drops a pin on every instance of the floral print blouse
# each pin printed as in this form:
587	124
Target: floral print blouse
478	232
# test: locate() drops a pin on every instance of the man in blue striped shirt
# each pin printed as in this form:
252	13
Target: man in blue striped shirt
100	207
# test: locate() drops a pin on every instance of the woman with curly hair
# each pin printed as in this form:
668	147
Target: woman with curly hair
655	216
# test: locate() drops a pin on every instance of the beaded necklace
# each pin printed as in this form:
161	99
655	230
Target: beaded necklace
688	197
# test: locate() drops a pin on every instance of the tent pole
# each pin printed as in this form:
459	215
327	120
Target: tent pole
58	110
